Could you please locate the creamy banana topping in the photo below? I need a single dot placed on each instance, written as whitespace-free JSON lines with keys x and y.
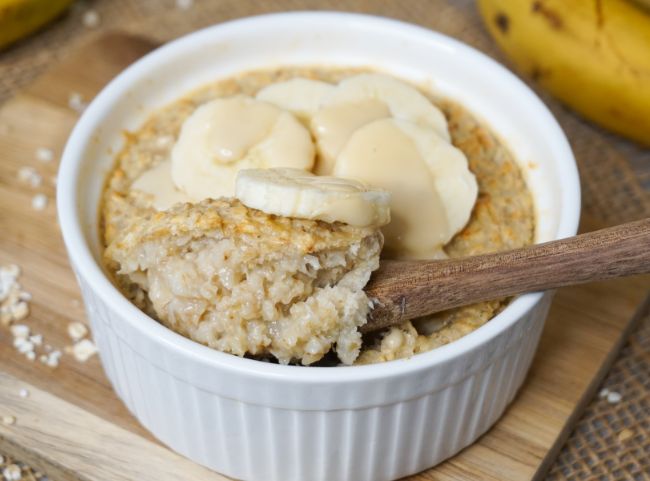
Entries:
{"x":371,"y":128}
{"x":333,"y":126}
{"x":403,"y":101}
{"x":432,"y":190}
{"x":226,"y":135}
{"x":301,"y":194}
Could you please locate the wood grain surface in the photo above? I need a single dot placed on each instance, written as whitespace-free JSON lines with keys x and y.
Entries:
{"x":404,"y":290}
{"x":73,"y":426}
{"x":98,"y":450}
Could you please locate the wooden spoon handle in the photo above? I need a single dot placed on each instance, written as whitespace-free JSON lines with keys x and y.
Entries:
{"x":408,"y":289}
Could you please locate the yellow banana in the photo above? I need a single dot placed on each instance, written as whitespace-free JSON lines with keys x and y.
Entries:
{"x":643,"y":3}
{"x":19,"y":18}
{"x":594,"y":55}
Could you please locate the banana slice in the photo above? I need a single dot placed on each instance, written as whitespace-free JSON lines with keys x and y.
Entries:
{"x":332,"y":126}
{"x":300,"y":96}
{"x":454,"y":182}
{"x":301,"y":194}
{"x":226,"y":135}
{"x":403,"y":101}
{"x":432,"y":190}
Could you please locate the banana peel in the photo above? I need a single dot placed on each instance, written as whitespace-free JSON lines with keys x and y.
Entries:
{"x":593,"y":55}
{"x":19,"y":18}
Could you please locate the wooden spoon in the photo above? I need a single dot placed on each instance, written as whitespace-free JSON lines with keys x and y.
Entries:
{"x":404,"y":290}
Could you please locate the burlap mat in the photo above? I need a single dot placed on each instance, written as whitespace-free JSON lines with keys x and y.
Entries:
{"x":612,"y":439}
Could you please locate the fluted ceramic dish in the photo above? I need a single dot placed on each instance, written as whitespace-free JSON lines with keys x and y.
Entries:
{"x":259,"y":421}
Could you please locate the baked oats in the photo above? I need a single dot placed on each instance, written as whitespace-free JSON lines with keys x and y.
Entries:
{"x":242,"y":281}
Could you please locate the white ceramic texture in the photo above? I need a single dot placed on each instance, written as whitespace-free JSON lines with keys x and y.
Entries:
{"x":261,"y":421}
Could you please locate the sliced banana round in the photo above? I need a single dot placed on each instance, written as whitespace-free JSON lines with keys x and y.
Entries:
{"x":301,"y":194}
{"x":403,"y":101}
{"x":455,"y":183}
{"x":300,"y":96}
{"x":226,"y":135}
{"x":333,"y":125}
{"x":432,"y":190}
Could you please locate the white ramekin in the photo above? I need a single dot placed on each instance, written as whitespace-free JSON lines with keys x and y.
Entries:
{"x":261,"y":421}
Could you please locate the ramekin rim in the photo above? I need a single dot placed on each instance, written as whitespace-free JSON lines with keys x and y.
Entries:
{"x":85,"y":265}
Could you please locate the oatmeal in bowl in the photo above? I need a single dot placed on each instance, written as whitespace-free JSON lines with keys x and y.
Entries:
{"x":226,"y":198}
{"x":442,"y":182}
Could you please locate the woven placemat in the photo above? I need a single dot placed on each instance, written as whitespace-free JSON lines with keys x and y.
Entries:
{"x":612,"y":439}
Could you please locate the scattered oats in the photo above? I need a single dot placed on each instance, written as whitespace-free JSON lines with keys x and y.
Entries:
{"x":44,"y":154}
{"x":23,"y":393}
{"x":614,"y":397}
{"x":75,"y":303}
{"x":52,"y":362}
{"x":24,"y":296}
{"x":30,"y":176}
{"x":76,"y":102}
{"x":83,"y":350}
{"x":603,"y":393}
{"x":77,"y":331}
{"x":8,"y":283}
{"x":25,"y":346}
{"x":8,"y":420}
{"x":20,"y":331}
{"x":39,"y":202}
{"x":625,"y":435}
{"x":90,"y":19}
{"x":11,"y":309}
{"x":36,"y":339}
{"x":43,"y":358}
{"x":184,"y":4}
{"x":24,"y":173}
{"x":52,"y":359}
{"x":31,"y":355}
{"x":20,"y":310}
{"x":12,"y":473}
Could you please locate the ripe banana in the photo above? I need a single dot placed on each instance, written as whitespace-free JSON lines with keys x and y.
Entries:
{"x":301,"y":194}
{"x":594,"y":55}
{"x":643,"y":3}
{"x":19,"y":18}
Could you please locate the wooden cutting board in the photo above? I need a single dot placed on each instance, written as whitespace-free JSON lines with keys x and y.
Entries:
{"x":73,"y":427}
